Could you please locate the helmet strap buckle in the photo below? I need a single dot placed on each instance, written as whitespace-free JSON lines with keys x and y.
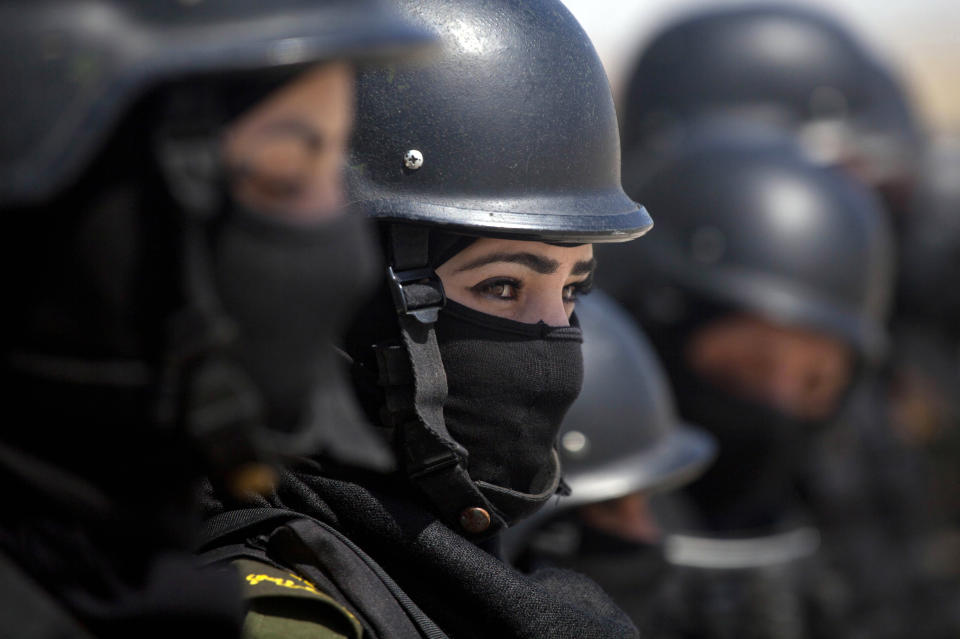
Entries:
{"x":417,"y":292}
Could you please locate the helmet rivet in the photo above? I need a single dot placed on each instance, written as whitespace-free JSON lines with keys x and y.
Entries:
{"x":575,"y":443}
{"x":474,"y":520}
{"x":413,"y":159}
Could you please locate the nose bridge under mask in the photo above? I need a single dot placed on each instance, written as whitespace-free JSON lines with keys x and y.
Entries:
{"x":509,"y":387}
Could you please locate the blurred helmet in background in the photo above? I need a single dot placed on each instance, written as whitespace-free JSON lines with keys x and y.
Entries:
{"x":785,"y":65}
{"x":749,"y":223}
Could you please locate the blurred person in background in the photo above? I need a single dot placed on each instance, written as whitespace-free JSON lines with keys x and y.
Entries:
{"x":621,"y":446}
{"x":803,"y":71}
{"x":170,"y":174}
{"x":491,"y":171}
{"x":766,"y":298}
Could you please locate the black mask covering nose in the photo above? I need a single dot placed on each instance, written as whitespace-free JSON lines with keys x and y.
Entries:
{"x":752,"y":483}
{"x":509,"y":386}
{"x":290,"y":289}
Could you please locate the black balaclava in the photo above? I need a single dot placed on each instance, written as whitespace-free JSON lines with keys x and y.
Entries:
{"x":290,"y":291}
{"x":286,"y":288}
{"x":509,"y":386}
{"x":751,"y":484}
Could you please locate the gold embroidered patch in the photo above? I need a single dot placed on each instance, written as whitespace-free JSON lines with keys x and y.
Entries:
{"x":293,"y":584}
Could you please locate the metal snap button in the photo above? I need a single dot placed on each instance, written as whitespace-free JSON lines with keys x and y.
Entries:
{"x":474,"y":520}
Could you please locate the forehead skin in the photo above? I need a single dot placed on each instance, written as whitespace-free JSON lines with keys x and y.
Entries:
{"x":546,"y":259}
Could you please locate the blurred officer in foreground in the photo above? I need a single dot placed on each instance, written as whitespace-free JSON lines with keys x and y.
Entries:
{"x":170,"y":174}
{"x":782,"y":65}
{"x":491,"y":170}
{"x":765,"y":297}
{"x":621,"y":445}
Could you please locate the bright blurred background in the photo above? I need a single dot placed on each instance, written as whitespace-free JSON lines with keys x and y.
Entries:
{"x":920,"y":40}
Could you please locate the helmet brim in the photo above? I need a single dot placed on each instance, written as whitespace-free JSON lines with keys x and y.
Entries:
{"x":680,"y":457}
{"x":581,"y":218}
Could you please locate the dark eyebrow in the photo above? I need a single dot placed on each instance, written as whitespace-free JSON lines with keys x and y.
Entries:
{"x":538,"y":263}
{"x":534,"y":262}
{"x":585,"y":268}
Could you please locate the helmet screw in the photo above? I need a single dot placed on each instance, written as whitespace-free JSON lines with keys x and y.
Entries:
{"x":413,"y":159}
{"x":474,"y":520}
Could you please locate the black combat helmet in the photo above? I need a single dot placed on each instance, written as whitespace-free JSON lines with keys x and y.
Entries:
{"x":623,"y":435}
{"x":510,"y":131}
{"x":788,"y":65}
{"x":504,"y":134}
{"x":78,"y":66}
{"x":751,"y":225}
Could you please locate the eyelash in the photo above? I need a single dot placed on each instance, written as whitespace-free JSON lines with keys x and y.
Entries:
{"x":577,"y":289}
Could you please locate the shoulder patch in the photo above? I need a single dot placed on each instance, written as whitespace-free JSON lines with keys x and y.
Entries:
{"x":269,"y":590}
{"x":257,"y":574}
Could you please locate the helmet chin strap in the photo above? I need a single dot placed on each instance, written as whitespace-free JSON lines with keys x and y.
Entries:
{"x":431,"y":458}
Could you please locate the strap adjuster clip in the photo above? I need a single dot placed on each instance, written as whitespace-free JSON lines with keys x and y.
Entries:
{"x":429,"y":286}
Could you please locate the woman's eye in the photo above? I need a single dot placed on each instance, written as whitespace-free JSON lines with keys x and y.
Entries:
{"x":500,"y":289}
{"x":503,"y":290}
